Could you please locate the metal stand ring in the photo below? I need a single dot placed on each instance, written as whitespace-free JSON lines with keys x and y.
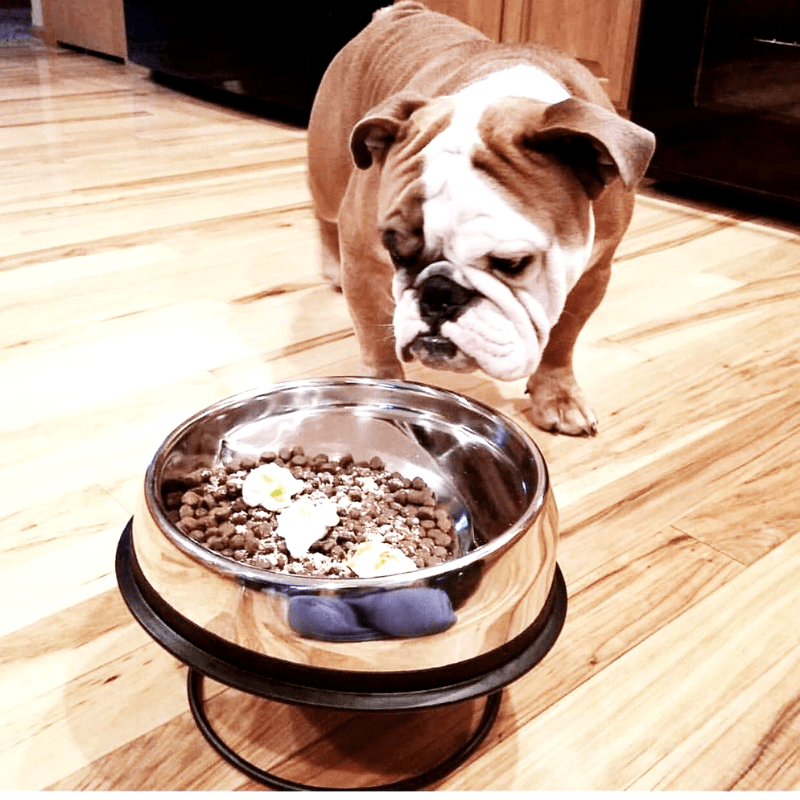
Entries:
{"x":196,"y":704}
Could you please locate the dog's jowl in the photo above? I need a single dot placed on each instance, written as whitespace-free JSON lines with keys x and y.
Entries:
{"x":470,"y":197}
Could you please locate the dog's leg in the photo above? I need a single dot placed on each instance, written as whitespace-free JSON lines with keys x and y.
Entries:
{"x":367,"y":274}
{"x":329,"y":256}
{"x":557,"y":403}
{"x":367,"y":288}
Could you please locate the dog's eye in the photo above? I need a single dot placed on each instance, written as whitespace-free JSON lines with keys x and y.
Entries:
{"x":400,"y":261}
{"x":510,"y":266}
{"x":402,"y":249}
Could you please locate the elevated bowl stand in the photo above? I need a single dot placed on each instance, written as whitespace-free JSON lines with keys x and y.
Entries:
{"x":207,"y":655}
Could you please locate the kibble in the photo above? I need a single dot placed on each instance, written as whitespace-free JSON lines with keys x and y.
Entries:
{"x":403,"y":512}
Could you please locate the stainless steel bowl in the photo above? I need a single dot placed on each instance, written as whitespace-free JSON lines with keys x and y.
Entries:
{"x":484,"y":466}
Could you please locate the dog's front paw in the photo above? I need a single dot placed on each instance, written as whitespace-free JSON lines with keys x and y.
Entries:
{"x":558,"y":405}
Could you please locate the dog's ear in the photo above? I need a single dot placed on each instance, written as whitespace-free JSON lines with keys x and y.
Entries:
{"x":373,"y":135}
{"x":597,"y":143}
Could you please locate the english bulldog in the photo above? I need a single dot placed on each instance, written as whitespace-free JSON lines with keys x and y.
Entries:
{"x":470,"y":197}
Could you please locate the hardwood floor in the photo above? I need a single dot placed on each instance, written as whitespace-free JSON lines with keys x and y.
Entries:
{"x":157,"y":253}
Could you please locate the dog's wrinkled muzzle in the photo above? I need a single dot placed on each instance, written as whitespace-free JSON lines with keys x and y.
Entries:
{"x":461,"y":318}
{"x":440,"y":299}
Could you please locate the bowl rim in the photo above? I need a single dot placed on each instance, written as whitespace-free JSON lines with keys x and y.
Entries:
{"x":258,"y":577}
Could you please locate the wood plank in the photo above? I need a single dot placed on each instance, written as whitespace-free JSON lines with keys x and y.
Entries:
{"x":83,"y":719}
{"x":757,"y":512}
{"x":721,"y":753}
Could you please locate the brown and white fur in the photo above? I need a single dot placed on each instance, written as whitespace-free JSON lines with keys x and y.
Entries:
{"x":470,"y":198}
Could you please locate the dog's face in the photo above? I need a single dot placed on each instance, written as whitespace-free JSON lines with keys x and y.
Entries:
{"x":487,"y":241}
{"x":488,"y":227}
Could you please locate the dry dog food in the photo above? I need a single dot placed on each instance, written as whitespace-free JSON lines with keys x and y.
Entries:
{"x":313,"y":515}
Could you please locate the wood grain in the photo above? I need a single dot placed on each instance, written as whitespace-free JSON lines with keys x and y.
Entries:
{"x":486,"y":17}
{"x":603,"y":32}
{"x":97,"y":25}
{"x":158,"y":253}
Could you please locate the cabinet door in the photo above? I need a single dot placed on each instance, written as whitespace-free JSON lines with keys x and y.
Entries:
{"x":604,"y":31}
{"x":97,"y":25}
{"x":485,"y":15}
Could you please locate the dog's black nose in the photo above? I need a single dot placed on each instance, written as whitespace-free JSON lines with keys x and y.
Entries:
{"x":441,"y":299}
